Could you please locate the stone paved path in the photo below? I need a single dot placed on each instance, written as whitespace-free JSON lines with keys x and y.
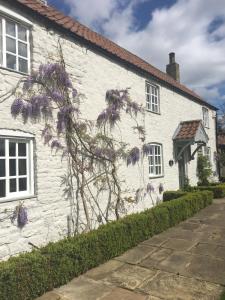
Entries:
{"x":184,"y":262}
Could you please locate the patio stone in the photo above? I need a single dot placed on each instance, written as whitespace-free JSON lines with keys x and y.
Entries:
{"x":204,"y":249}
{"x":137,"y":254}
{"x":52,"y":296}
{"x":178,"y":244}
{"x":104,"y":270}
{"x":154,"y":259}
{"x":82,"y":288}
{"x":129,"y":276}
{"x":156,"y":240}
{"x":170,"y":286}
{"x":176,"y":263}
{"x":122,"y":294}
{"x":207,"y":268}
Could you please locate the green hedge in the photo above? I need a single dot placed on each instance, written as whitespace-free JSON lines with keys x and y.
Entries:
{"x":30,"y":275}
{"x":171,"y":195}
{"x":218,"y":190}
{"x":222,"y":296}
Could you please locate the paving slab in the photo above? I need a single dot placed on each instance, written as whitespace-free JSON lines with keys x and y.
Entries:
{"x":104,"y":270}
{"x":122,"y":294}
{"x":154,"y":259}
{"x":178,"y":244}
{"x":137,"y":254}
{"x":129,"y":276}
{"x":82,"y":288}
{"x":170,"y":286}
{"x":52,"y":296}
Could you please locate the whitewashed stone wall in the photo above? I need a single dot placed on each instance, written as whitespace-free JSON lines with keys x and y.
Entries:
{"x":93,"y":74}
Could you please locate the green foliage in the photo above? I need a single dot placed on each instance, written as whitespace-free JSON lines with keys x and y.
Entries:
{"x":30,"y":275}
{"x":218,"y":190}
{"x":222,"y":296}
{"x":171,"y":195}
{"x":204,"y":170}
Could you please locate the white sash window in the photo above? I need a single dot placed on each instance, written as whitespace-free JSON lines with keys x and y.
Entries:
{"x":16,"y":167}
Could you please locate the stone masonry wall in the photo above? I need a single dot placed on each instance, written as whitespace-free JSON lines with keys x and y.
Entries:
{"x":93,"y":74}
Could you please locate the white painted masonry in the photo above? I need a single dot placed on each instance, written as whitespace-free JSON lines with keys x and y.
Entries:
{"x":93,"y":73}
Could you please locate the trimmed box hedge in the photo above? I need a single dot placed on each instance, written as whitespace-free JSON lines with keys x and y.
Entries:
{"x":171,"y":195}
{"x":218,"y":190}
{"x":32,"y":274}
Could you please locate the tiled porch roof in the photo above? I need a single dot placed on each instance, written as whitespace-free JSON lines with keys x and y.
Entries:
{"x":187,"y":130}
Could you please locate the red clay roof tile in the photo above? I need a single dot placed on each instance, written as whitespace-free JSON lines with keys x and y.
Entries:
{"x":98,"y":40}
{"x":188,"y":130}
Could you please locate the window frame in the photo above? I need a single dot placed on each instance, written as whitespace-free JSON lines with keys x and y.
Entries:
{"x":205,"y":117}
{"x":10,"y":196}
{"x":3,"y":37}
{"x":154,"y":175}
{"x":150,"y":94}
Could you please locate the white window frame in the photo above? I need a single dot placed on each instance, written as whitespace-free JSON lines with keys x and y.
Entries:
{"x":152,"y":97}
{"x":4,"y":35}
{"x":153,"y":166}
{"x":28,"y":139}
{"x":205,"y":117}
{"x":207,"y":152}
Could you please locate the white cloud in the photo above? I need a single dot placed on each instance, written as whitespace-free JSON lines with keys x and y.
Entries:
{"x":182,"y":28}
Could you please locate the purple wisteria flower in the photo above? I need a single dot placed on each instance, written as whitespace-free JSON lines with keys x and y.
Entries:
{"x":161,"y":188}
{"x":150,"y":188}
{"x":74,"y":93}
{"x":47,"y":134}
{"x":17,"y":107}
{"x":22,"y":218}
{"x":28,"y":83}
{"x":110,"y":115}
{"x":57,"y":96}
{"x":56,"y":144}
{"x":133,"y":156}
{"x":147,"y":149}
{"x":27,"y":111}
{"x":114,"y":98}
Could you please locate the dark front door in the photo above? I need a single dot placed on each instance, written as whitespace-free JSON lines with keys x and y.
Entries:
{"x":182,"y":172}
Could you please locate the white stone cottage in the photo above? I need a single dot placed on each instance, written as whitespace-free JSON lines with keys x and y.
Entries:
{"x":177,"y":121}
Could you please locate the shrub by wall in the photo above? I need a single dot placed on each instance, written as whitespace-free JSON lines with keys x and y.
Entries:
{"x":171,"y":195}
{"x":30,"y":275}
{"x":217,"y":190}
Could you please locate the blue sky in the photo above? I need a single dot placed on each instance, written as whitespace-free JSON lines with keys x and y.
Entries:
{"x":193,"y":29}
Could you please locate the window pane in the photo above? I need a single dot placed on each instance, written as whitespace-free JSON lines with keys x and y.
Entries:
{"x":23,"y":65}
{"x":22,"y":33}
{"x":12,"y":167}
{"x":2,"y":188}
{"x":11,"y":45}
{"x":22,"y":167}
{"x":22,"y":49}
{"x":12,"y":185}
{"x":2,"y":147}
{"x":11,"y":28}
{"x":22,"y":184}
{"x":12,"y":149}
{"x":22,"y":149}
{"x":2,"y":168}
{"x":11,"y":61}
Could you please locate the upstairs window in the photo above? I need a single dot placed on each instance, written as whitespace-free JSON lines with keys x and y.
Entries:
{"x":205,"y":117}
{"x":152,"y":98}
{"x":16,"y":168}
{"x":14,"y":46}
{"x":155,"y":159}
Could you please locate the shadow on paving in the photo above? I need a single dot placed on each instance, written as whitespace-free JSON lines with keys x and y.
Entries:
{"x":184,"y":262}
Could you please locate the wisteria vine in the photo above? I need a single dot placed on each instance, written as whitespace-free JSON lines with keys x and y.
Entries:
{"x":93,"y":153}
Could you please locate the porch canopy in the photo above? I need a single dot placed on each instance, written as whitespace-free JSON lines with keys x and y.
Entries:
{"x":189,"y":133}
